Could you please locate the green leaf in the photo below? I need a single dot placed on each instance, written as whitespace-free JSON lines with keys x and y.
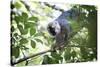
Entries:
{"x":29,"y":25}
{"x":73,"y":54}
{"x":45,"y":60}
{"x":37,"y":34}
{"x":24,"y":15}
{"x":22,"y":31}
{"x":15,"y":34}
{"x":12,"y":29}
{"x":15,"y":51}
{"x":20,"y":28}
{"x":17,"y":5}
{"x":13,"y":40}
{"x":56,"y":55}
{"x":33,"y":44}
{"x":33,"y":18}
{"x":39,"y":40}
{"x":21,"y":18}
{"x":84,"y":52}
{"x":67,"y":54}
{"x":25,"y":31}
{"x":32,"y":31}
{"x":25,"y":48}
{"x":12,"y":6}
{"x":18,"y":19}
{"x":49,"y":60}
{"x":23,"y":41}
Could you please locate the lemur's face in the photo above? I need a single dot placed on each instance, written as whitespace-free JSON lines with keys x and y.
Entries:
{"x":54,"y":28}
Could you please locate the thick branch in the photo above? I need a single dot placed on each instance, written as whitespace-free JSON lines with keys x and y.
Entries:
{"x":25,"y":58}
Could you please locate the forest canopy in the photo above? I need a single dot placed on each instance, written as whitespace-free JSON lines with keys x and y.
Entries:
{"x":29,"y":35}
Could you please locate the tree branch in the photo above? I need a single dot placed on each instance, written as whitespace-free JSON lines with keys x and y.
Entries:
{"x":25,"y":58}
{"x":28,"y":7}
{"x":53,"y":7}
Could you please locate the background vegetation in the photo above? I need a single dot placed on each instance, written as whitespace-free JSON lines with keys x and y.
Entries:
{"x":29,"y":35}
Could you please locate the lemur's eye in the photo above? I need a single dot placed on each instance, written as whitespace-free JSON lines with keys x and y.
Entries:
{"x":52,"y":30}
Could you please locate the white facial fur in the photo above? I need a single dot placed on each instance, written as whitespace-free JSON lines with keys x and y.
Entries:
{"x":57,"y":27}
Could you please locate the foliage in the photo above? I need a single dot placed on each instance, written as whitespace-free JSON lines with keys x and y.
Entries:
{"x":28,"y":39}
